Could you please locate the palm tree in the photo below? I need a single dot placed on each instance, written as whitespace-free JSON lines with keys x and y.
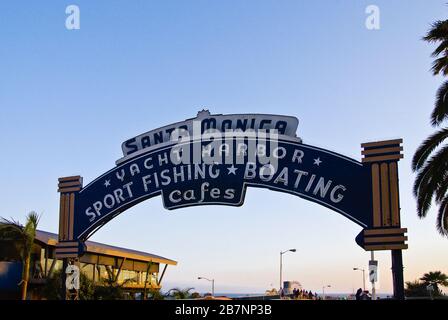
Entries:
{"x":429,"y":160}
{"x":154,"y":294}
{"x":110,"y":288}
{"x":179,"y":294}
{"x":13,"y":231}
{"x":435,"y":279}
{"x":416,"y":289}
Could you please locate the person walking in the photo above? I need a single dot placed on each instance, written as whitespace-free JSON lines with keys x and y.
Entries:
{"x":359,"y":294}
{"x":282,"y":293}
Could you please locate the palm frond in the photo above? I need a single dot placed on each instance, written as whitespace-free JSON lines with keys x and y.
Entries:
{"x":440,"y":66}
{"x":427,"y":147}
{"x":33,"y":219}
{"x":423,"y":194}
{"x":442,"y":188}
{"x":4,"y":221}
{"x":442,"y":217}
{"x":440,"y":112}
{"x":442,"y":48}
{"x":10,"y":229}
{"x":429,"y":178}
{"x":433,"y":171}
{"x":438,"y":31}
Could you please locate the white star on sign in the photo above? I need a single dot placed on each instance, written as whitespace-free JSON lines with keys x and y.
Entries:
{"x":232,"y":169}
{"x":107,"y":183}
{"x":317,"y":161}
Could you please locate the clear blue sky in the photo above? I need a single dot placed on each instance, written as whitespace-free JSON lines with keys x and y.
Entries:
{"x":69,"y":98}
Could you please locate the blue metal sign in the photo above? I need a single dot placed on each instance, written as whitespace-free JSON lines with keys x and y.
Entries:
{"x":327,"y":178}
{"x":213,"y":159}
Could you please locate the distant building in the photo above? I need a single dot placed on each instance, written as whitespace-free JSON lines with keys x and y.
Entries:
{"x":138,"y":270}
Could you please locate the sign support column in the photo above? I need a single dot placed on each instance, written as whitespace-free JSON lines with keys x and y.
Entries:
{"x":397,"y":274}
{"x":68,"y":248}
{"x":386,"y":234}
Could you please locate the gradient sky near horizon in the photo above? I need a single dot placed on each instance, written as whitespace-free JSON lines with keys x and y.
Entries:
{"x":69,"y":98}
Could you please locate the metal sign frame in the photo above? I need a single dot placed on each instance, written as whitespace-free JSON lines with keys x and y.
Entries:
{"x":365,"y":192}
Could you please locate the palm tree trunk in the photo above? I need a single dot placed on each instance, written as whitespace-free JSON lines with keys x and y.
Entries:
{"x":25,"y":276}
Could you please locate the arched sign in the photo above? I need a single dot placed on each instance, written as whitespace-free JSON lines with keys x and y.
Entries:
{"x":213,"y":159}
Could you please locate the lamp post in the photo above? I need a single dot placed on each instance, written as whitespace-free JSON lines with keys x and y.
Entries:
{"x":281,"y":264}
{"x":323,"y":290}
{"x":363,"y":277}
{"x":213,"y":284}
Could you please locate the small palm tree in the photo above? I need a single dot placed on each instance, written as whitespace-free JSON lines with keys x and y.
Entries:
{"x":429,"y":160}
{"x":155,"y":294}
{"x":13,"y":231}
{"x":110,"y":288}
{"x":416,"y":289}
{"x":436,"y":279}
{"x":179,"y":294}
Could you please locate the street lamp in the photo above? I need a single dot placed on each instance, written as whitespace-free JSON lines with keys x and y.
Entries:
{"x":213,"y":284}
{"x":323,"y":290}
{"x":363,"y":277}
{"x":281,"y":264}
